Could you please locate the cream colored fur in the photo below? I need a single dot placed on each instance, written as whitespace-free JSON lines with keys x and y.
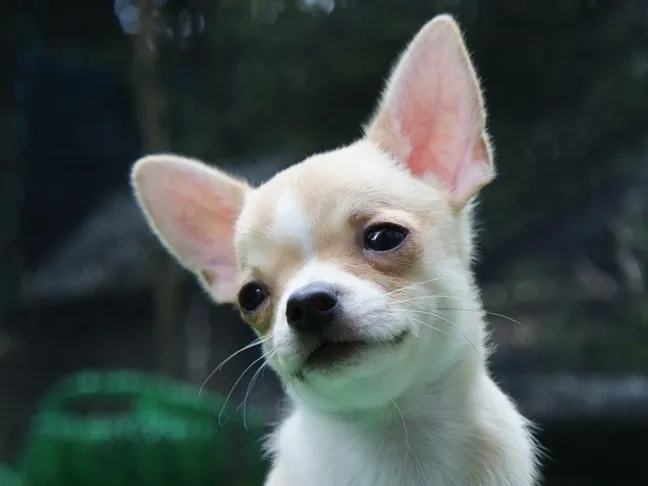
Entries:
{"x":421,"y":411}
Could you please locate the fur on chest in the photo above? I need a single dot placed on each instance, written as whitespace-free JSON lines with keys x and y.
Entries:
{"x":330,"y":453}
{"x":489,"y":447}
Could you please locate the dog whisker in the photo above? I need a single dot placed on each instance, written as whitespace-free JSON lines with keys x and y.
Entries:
{"x":415,"y":284}
{"x":428,"y":296}
{"x":438,"y":316}
{"x":254,"y":343}
{"x":251,"y":385}
{"x":407,"y":440}
{"x":387,"y":294}
{"x":423,"y":323}
{"x":229,"y":395}
{"x":494,"y":314}
{"x":478,"y":309}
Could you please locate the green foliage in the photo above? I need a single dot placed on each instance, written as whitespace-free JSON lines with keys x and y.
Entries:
{"x":123,"y":427}
{"x":9,"y":477}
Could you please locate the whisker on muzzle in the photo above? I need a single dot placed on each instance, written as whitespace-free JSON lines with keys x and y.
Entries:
{"x":423,"y":323}
{"x":415,"y":284}
{"x":251,"y":385}
{"x":229,"y":395}
{"x":478,"y":309}
{"x":254,"y":343}
{"x":392,"y":292}
{"x":494,"y":314}
{"x":406,"y":435}
{"x":432,"y":296}
{"x":438,"y":316}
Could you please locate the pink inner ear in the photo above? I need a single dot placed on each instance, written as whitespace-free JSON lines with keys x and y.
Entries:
{"x":433,"y":142}
{"x":194,"y":209}
{"x":438,"y":116}
{"x":434,"y":111}
{"x":196,"y":218}
{"x":205,"y":221}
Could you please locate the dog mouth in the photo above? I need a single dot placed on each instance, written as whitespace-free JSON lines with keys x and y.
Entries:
{"x":331,"y":352}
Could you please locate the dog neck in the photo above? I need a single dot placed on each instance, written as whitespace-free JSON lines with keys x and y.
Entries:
{"x":426,"y":402}
{"x":421,"y":437}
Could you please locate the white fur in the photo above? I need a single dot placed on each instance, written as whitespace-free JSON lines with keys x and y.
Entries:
{"x":290,"y":224}
{"x":439,"y":438}
{"x":447,"y":423}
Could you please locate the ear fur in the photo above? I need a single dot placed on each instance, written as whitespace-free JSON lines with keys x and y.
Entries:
{"x":432,"y":117}
{"x":193,"y":208}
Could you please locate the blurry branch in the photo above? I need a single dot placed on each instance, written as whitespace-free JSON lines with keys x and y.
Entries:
{"x":8,"y":168}
{"x":152,"y":106}
{"x":151,"y":98}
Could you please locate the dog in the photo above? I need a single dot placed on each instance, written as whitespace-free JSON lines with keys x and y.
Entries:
{"x":354,"y":268}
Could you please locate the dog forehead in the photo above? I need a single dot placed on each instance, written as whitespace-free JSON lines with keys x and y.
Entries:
{"x":292,"y":222}
{"x":290,"y":214}
{"x":297,"y":209}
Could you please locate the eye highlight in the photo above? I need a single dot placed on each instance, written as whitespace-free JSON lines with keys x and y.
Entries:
{"x":384,"y":237}
{"x":251,"y":296}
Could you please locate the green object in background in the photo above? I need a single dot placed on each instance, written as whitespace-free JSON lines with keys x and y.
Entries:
{"x":123,"y":428}
{"x":9,"y":477}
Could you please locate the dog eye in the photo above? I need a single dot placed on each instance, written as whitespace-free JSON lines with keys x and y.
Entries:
{"x":251,"y":296}
{"x":384,"y":237}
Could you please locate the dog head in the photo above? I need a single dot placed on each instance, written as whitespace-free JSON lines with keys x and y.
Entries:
{"x":353,"y":266}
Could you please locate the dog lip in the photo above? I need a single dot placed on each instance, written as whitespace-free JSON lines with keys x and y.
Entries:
{"x":329,"y":352}
{"x":400,"y":338}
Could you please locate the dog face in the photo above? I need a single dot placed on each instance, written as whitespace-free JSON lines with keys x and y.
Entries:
{"x":349,"y":264}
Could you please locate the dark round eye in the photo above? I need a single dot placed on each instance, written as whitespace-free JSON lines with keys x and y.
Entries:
{"x":384,"y":237}
{"x":251,"y":296}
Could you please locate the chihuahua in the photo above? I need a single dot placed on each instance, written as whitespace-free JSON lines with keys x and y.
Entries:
{"x":354,"y":269}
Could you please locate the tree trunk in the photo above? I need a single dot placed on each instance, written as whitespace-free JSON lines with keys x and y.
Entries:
{"x":151,"y":101}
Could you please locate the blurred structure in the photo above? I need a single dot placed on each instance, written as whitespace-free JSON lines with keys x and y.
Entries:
{"x":256,"y":85}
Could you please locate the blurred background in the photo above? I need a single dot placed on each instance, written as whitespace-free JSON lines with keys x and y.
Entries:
{"x":104,"y":341}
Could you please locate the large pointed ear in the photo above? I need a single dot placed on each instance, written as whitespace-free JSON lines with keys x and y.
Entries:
{"x":432,"y":116}
{"x":193,"y":209}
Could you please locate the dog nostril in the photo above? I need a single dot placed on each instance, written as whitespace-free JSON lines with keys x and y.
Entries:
{"x":324,"y":302}
{"x":312,"y":307}
{"x":294,"y":312}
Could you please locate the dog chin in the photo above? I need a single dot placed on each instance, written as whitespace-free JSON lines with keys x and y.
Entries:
{"x":371,"y":378}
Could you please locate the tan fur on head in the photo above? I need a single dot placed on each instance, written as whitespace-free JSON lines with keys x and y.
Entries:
{"x":400,"y":393}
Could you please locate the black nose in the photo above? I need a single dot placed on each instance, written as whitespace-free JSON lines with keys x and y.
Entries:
{"x":312,"y":307}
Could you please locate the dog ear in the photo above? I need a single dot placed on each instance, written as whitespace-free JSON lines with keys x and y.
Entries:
{"x":193,"y":210}
{"x":432,"y":116}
